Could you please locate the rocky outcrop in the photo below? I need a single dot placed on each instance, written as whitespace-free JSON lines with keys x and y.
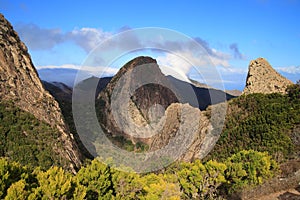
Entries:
{"x":19,"y":82}
{"x":149,"y":112}
{"x":183,"y":119}
{"x":131,"y":99}
{"x":262,"y":78}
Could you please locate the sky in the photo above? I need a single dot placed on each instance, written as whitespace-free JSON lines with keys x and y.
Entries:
{"x":62,"y":35}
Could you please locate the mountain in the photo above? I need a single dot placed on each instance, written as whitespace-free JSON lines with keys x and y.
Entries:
{"x":262,"y":78}
{"x":100,"y":83}
{"x":20,"y":84}
{"x":58,"y":90}
{"x":148,"y":103}
{"x":234,"y":93}
{"x":65,"y":75}
{"x":144,"y":96}
{"x":198,"y":84}
{"x":199,"y":97}
{"x":140,"y":106}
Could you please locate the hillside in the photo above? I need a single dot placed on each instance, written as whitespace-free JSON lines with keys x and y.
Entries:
{"x":20,"y":84}
{"x":27,"y":140}
{"x":261,"y":122}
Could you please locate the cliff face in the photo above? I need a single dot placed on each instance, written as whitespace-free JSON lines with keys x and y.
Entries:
{"x":145,"y":101}
{"x":183,"y":120}
{"x":19,"y":82}
{"x":151,"y":113}
{"x":262,"y":78}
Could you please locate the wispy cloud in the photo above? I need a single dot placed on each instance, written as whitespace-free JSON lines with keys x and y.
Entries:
{"x":234,"y":70}
{"x":236,"y":52}
{"x":45,"y":39}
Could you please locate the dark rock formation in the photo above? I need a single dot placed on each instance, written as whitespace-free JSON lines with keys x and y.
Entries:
{"x":142,"y":100}
{"x":143,"y":105}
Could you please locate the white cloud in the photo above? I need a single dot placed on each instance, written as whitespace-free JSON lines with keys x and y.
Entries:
{"x":182,"y":55}
{"x":87,"y":38}
{"x":183,"y":62}
{"x":289,"y":69}
{"x":39,"y":38}
{"x":232,"y":70}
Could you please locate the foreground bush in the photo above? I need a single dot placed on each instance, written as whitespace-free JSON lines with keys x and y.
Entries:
{"x":96,"y":180}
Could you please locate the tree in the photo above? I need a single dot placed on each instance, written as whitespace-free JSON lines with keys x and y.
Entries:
{"x":96,"y":178}
{"x":199,"y":180}
{"x":127,"y":185}
{"x":249,"y":168}
{"x":160,"y":187}
{"x":55,"y":183}
{"x":10,"y":172}
{"x":17,"y":191}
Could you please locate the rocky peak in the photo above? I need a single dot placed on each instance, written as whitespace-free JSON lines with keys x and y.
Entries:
{"x":20,"y":83}
{"x":149,"y":93}
{"x":262,"y":78}
{"x":151,"y":113}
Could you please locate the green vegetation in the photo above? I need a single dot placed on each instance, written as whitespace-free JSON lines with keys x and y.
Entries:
{"x":27,"y":140}
{"x":126,"y":144}
{"x":247,"y":168}
{"x":98,"y":181}
{"x":259,"y":131}
{"x":262,"y":123}
{"x":294,"y":91}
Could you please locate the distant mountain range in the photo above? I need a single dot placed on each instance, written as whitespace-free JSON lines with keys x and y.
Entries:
{"x":202,"y":91}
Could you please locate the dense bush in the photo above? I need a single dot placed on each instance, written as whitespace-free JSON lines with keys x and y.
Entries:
{"x":293,"y":91}
{"x":27,"y":140}
{"x":247,"y":168}
{"x":259,"y":122}
{"x":99,"y":181}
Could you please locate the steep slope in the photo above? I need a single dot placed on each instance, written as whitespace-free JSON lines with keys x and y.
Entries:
{"x":19,"y":83}
{"x":262,"y":78}
{"x":59,"y":91}
{"x":143,"y":98}
{"x":63,"y":95}
{"x":262,"y":122}
{"x":152,"y":114}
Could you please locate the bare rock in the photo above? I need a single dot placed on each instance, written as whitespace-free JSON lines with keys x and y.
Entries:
{"x":151,"y":113}
{"x":262,"y":78}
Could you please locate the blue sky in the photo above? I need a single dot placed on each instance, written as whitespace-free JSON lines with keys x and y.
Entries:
{"x":61,"y":34}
